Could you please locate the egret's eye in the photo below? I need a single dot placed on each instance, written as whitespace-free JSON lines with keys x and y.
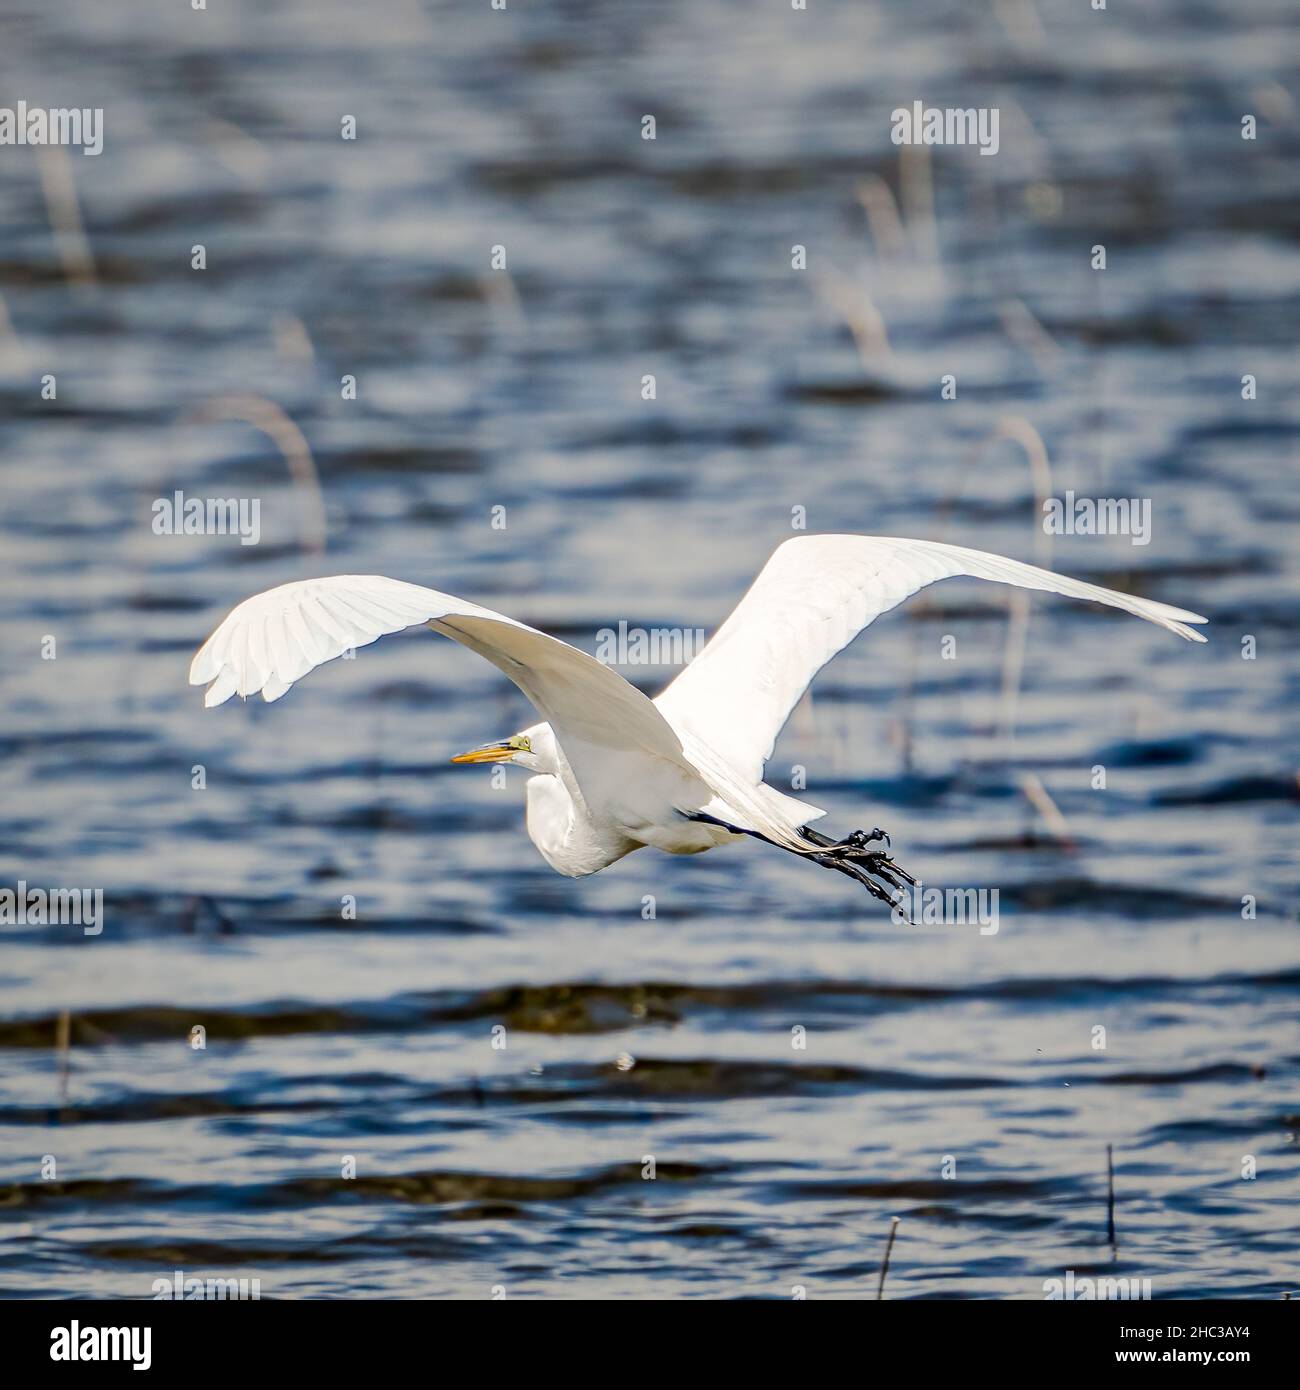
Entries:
{"x":524,"y":745}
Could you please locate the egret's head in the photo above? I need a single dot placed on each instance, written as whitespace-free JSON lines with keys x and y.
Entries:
{"x":517,"y":749}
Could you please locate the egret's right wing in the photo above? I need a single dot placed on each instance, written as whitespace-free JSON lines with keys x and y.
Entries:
{"x":810,"y":600}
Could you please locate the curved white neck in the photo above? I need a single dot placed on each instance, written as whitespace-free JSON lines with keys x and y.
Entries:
{"x":564,"y":833}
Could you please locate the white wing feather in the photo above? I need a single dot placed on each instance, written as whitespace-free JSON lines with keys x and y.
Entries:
{"x":810,"y":600}
{"x":273,"y":639}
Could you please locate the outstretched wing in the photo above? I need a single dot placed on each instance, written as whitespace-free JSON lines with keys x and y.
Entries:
{"x":273,"y":639}
{"x":810,"y":600}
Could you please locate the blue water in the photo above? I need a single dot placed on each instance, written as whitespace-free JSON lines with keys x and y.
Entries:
{"x":949,"y":1078}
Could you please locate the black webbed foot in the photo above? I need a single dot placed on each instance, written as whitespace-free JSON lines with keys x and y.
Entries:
{"x":857,"y":872}
{"x":872,"y":868}
{"x":859,"y":839}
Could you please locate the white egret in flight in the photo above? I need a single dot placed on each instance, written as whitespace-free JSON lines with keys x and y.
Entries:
{"x":613,"y":770}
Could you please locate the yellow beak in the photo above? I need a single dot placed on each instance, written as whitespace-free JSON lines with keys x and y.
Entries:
{"x":489,"y":753}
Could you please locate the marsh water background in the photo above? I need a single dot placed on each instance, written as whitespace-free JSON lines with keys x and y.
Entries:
{"x":776,"y":1167}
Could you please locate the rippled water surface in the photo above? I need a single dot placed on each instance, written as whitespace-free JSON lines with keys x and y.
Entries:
{"x":950,"y":1078}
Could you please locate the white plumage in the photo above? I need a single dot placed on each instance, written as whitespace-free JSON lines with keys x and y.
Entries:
{"x":615,"y":770}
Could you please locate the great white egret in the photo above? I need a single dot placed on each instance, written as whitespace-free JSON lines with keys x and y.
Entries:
{"x":614,"y":770}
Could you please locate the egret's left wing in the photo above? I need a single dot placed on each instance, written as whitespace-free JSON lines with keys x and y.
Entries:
{"x":810,"y":600}
{"x":273,"y":639}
